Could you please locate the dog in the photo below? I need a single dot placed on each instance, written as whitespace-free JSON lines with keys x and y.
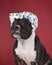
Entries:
{"x":28,"y":46}
{"x":28,"y":49}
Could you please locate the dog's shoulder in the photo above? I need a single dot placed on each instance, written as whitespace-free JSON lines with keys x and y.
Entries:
{"x":42,"y":55}
{"x":38,"y":44}
{"x":15,"y":46}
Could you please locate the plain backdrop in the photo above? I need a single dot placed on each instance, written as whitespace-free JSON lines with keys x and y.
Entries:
{"x":42,"y":8}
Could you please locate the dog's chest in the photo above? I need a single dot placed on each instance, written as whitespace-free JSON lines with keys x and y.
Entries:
{"x":25,"y":51}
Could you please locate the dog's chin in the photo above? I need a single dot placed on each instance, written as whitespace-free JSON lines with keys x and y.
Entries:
{"x":16,"y":36}
{"x":25,"y":37}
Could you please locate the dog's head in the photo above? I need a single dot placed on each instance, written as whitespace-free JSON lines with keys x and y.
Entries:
{"x":21,"y":28}
{"x":22,"y":24}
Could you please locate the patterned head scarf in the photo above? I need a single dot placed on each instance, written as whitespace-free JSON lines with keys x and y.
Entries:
{"x":30,"y":16}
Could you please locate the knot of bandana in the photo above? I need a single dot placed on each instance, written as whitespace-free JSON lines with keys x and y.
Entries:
{"x":30,"y":16}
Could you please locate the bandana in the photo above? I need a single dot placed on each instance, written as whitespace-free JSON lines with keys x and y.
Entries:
{"x":30,"y":16}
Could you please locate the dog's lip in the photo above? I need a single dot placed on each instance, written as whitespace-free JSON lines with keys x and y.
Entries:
{"x":15,"y":33}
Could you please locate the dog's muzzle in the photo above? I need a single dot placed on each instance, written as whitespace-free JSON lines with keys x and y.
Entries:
{"x":15,"y":30}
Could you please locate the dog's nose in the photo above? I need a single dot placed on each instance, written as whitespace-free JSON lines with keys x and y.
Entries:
{"x":14,"y":29}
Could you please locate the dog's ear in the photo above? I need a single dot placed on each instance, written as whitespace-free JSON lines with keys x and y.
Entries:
{"x":15,"y":19}
{"x":26,"y":23}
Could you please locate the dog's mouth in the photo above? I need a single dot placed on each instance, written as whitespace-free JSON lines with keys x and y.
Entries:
{"x":16,"y":34}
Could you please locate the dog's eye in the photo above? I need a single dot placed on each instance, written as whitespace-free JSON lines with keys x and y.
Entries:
{"x":22,"y":27}
{"x":16,"y":27}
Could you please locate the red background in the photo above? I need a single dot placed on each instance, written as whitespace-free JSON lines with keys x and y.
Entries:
{"x":42,"y":8}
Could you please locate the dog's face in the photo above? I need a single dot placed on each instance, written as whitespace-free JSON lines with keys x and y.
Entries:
{"x":21,"y":28}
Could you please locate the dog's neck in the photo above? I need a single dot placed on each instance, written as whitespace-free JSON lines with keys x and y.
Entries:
{"x":28,"y":43}
{"x":25,"y":49}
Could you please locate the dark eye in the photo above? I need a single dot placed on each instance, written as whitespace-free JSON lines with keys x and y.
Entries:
{"x":22,"y":27}
{"x":16,"y":27}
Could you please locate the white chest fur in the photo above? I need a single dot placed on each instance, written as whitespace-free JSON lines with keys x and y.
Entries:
{"x":25,"y":49}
